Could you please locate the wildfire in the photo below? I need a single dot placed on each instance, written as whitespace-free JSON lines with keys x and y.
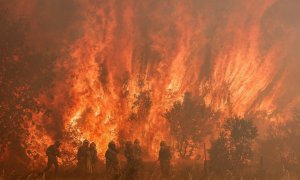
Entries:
{"x":133,"y":59}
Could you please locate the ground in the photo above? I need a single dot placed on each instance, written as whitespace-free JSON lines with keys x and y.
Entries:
{"x":181,"y":170}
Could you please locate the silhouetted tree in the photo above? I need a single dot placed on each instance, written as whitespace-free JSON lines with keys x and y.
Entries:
{"x":232,"y":151}
{"x":220,"y":155}
{"x":281,"y":148}
{"x":142,"y":104}
{"x":190,"y":121}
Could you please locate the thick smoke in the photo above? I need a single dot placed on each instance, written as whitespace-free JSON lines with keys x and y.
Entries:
{"x":103,"y":70}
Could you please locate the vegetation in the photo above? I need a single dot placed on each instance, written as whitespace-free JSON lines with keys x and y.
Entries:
{"x":281,"y":148}
{"x":190,"y":121}
{"x":142,"y":104}
{"x":232,"y":151}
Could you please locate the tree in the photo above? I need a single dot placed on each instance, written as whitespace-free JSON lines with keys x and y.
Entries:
{"x":190,"y":121}
{"x":142,"y":104}
{"x":232,"y":151}
{"x":219,"y":155}
{"x":281,"y":148}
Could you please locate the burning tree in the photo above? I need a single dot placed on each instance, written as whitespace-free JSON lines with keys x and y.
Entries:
{"x":142,"y":104}
{"x":190,"y":121}
{"x":232,"y":151}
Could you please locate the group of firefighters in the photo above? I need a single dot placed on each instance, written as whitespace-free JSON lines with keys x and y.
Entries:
{"x":87,"y":159}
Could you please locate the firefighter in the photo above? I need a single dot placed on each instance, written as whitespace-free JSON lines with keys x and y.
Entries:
{"x":112,"y":161}
{"x":137,"y":152}
{"x":83,"y":157}
{"x":129,"y":154}
{"x":164,"y":158}
{"x":53,"y":152}
{"x":93,"y":157}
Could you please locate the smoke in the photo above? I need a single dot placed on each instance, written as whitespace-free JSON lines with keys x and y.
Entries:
{"x":279,"y":26}
{"x":91,"y":66}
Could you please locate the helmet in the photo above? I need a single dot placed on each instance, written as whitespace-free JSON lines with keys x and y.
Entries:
{"x":112,"y":145}
{"x":93,"y":145}
{"x":136,"y":141}
{"x":163,"y":143}
{"x":85,"y":142}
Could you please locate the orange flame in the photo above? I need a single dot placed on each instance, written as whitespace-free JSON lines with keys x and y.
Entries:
{"x":133,"y":60}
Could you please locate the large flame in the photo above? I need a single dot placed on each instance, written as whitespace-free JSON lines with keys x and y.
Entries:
{"x":132,"y":60}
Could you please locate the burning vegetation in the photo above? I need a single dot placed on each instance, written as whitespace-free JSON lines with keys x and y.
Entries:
{"x":220,"y":73}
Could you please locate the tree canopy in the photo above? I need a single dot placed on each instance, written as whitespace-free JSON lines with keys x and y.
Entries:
{"x":232,"y":150}
{"x":190,"y":121}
